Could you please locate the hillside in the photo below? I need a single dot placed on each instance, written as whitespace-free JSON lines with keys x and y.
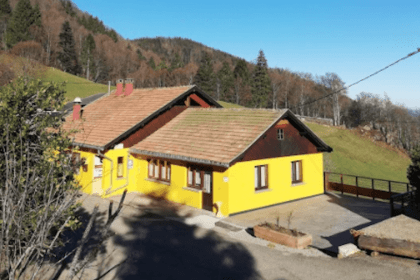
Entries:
{"x":357,"y":155}
{"x":75,"y":86}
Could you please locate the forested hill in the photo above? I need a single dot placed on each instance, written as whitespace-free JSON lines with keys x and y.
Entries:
{"x":187,"y":49}
{"x":56,"y":33}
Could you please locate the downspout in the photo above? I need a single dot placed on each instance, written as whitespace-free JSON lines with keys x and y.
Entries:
{"x":108,"y":191}
{"x":112,"y":168}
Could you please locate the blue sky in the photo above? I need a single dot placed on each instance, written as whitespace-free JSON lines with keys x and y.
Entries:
{"x":350,"y":38}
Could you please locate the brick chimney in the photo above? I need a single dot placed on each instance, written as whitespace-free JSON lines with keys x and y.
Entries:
{"x":77,"y":106}
{"x":119,"y":87}
{"x":128,"y":86}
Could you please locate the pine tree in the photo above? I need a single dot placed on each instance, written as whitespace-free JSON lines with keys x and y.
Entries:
{"x":225,"y":76}
{"x":152,"y":63}
{"x":5,"y":8}
{"x":261,"y":83}
{"x":87,"y":54}
{"x":67,"y":57}
{"x":205,"y":75}
{"x":413,"y":171}
{"x":241,"y":80}
{"x":176,"y":63}
{"x":36,"y":16}
{"x":18,"y":27}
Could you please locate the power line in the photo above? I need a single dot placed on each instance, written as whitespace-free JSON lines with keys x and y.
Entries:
{"x":365,"y":78}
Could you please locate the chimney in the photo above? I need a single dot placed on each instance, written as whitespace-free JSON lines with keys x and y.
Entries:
{"x":119,"y":87}
{"x":77,"y":106}
{"x":128,"y":86}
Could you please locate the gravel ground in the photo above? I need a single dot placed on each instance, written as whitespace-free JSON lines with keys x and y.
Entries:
{"x":400,"y":227}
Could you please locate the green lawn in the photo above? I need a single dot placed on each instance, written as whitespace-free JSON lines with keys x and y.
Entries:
{"x":356,"y":155}
{"x":229,"y":105}
{"x":75,"y":86}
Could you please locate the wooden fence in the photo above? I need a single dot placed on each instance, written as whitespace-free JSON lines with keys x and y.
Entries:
{"x":364,"y":186}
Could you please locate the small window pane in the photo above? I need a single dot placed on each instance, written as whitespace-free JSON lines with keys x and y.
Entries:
{"x":156,"y":168}
{"x":168,"y":169}
{"x":190,"y":177}
{"x":197,"y":178}
{"x":207,"y":182}
{"x":120,"y":167}
{"x":257,"y":173}
{"x":150,"y":168}
{"x":263,"y":176}
{"x":163,"y":172}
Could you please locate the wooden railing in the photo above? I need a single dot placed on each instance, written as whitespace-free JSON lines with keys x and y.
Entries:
{"x":404,"y":200}
{"x":364,"y":186}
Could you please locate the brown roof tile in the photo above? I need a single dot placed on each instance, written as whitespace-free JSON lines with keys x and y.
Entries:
{"x":110,"y":116}
{"x":215,"y":135}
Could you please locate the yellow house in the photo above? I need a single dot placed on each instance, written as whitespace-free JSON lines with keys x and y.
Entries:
{"x":179,"y":144}
{"x":231,"y":160}
{"x":103,"y":130}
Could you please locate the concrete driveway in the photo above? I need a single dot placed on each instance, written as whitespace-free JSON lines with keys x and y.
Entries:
{"x":153,"y":239}
{"x":327,"y":217}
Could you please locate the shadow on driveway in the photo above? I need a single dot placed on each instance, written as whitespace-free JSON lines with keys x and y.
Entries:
{"x":157,"y":248}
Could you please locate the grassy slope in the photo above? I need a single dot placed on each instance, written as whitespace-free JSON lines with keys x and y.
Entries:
{"x":360,"y":156}
{"x":75,"y":86}
{"x":229,"y":105}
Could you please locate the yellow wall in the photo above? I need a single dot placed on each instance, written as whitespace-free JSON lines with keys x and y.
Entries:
{"x":175,"y":191}
{"x":234,"y":188}
{"x":242,"y":195}
{"x":118,"y":185}
{"x":85,"y":178}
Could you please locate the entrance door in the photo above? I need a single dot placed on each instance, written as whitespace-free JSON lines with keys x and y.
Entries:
{"x":97,"y":177}
{"x":208,"y":191}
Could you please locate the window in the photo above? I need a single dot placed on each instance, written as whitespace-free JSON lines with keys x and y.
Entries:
{"x":296,"y":171}
{"x":120,"y":167}
{"x":160,"y":170}
{"x":280,"y":134}
{"x":84,"y":165}
{"x":261,"y":177}
{"x":199,"y":179}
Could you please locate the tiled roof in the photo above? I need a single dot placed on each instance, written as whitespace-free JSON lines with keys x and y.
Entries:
{"x":216,"y":136}
{"x":111,"y":116}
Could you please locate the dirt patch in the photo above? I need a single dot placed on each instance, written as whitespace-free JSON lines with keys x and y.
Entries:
{"x":281,"y":229}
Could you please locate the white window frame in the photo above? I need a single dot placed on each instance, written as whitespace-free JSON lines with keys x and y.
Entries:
{"x":280,"y":134}
{"x":297,"y":171}
{"x":261,"y":177}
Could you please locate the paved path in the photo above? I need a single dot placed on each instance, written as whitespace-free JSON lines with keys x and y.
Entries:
{"x":156,"y":242}
{"x":328,"y":217}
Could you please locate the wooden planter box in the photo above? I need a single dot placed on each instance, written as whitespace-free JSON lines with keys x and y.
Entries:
{"x":298,"y":242}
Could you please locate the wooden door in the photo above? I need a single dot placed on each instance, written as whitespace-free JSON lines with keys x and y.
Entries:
{"x":208,"y":191}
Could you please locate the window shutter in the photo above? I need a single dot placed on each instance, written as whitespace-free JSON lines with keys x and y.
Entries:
{"x":168,"y":169}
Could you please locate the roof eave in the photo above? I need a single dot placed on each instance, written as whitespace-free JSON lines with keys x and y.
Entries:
{"x":82,"y":145}
{"x":179,"y":157}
